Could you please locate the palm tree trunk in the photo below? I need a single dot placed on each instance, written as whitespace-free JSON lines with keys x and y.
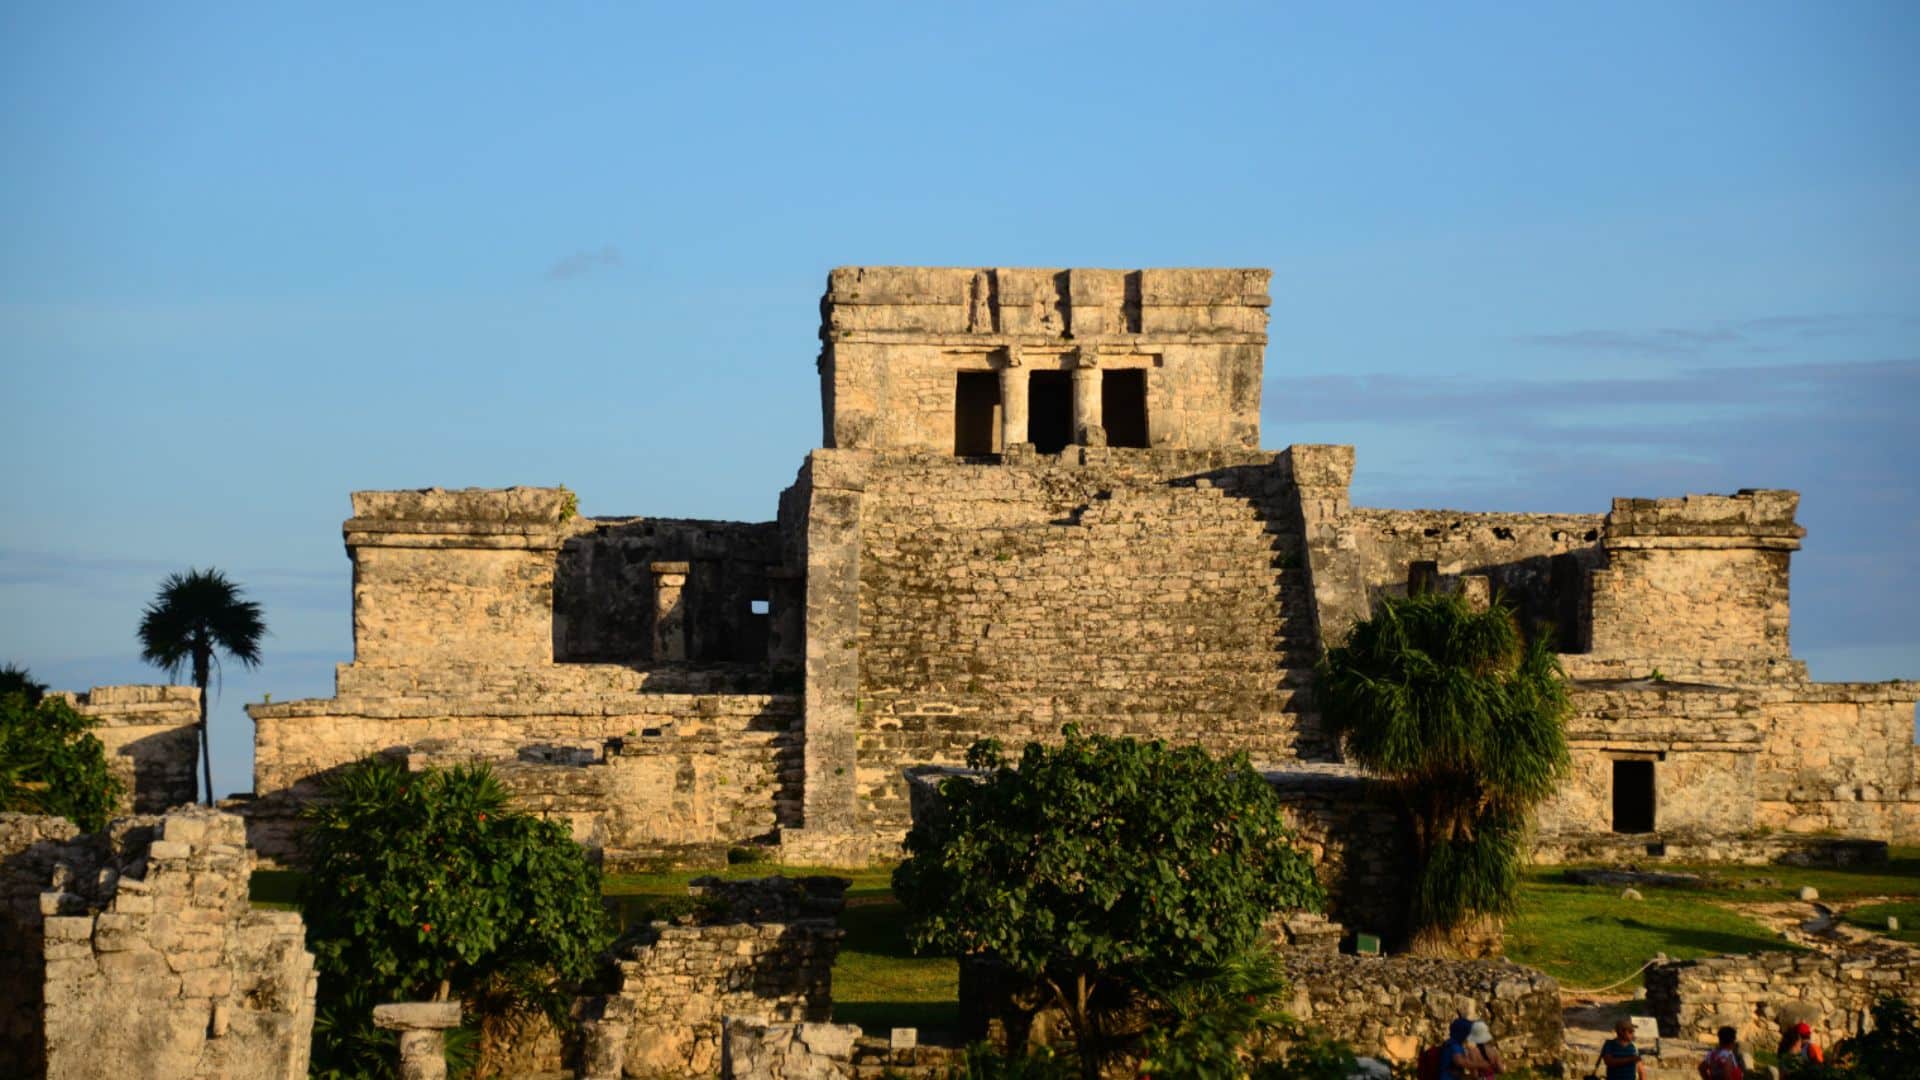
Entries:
{"x":202,"y":661}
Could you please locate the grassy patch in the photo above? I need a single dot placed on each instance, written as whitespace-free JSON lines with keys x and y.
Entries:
{"x":1874,"y":917}
{"x":1900,"y":876}
{"x":1587,"y":936}
{"x":877,"y":982}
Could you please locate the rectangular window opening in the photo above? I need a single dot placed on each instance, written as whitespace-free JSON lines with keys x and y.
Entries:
{"x":1050,"y":411}
{"x":1123,"y":407}
{"x":758,"y":607}
{"x":976,"y":414}
{"x":1633,"y":796}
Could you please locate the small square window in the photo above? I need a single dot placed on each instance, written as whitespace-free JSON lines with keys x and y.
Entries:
{"x":758,"y":607}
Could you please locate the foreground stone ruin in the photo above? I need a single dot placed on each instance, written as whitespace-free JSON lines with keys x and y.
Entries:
{"x":135,"y":952}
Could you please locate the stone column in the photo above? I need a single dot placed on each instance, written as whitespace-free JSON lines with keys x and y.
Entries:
{"x":604,"y":1055}
{"x":1087,"y":430}
{"x":1013,"y":400}
{"x":423,"y":1053}
{"x":669,"y":612}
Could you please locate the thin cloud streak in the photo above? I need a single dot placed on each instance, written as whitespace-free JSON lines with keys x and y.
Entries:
{"x":581,"y":263}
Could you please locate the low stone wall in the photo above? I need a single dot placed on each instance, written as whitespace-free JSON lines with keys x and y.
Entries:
{"x":1755,"y":992}
{"x":1389,"y":1007}
{"x":1620,"y":849}
{"x":151,"y":961}
{"x":1349,"y":825}
{"x":757,"y":1050}
{"x":760,"y":948}
{"x":635,"y":775}
{"x":152,"y":741}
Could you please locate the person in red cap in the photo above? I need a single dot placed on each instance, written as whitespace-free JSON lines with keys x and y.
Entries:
{"x":1797,"y":1046}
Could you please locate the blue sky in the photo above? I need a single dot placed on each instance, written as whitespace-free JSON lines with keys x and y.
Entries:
{"x":253,"y":257}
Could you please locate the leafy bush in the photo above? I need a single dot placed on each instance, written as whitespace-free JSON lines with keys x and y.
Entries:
{"x":426,"y":886}
{"x":1228,"y":1025}
{"x":1104,"y":870}
{"x":51,"y":764}
{"x":983,"y":1062}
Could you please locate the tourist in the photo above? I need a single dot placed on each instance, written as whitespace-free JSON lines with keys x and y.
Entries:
{"x":1457,"y":1059}
{"x":1797,"y":1047}
{"x":1723,"y":1061}
{"x":1487,"y":1056}
{"x":1620,"y":1056}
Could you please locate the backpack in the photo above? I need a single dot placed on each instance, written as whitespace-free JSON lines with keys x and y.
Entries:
{"x":1721,"y":1065}
{"x":1429,"y":1067}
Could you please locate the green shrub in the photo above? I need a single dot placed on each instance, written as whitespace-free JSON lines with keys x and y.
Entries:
{"x":426,"y":886}
{"x":1102,"y":870}
{"x":51,"y":764}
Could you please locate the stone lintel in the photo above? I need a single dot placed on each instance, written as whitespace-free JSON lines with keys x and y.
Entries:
{"x":681,"y":568}
{"x":417,"y":1016}
{"x":359,"y":533}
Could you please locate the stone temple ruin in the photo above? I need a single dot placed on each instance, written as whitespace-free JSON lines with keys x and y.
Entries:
{"x":1041,"y":499}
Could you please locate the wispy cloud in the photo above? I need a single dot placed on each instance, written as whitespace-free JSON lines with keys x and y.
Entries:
{"x":581,"y":263}
{"x":1759,"y":334}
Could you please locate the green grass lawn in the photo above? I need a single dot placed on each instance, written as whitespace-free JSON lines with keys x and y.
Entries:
{"x":1586,"y":936}
{"x":1874,"y":917}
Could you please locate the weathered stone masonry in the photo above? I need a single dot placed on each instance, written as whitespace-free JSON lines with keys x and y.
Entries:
{"x":1040,"y":499}
{"x":135,"y":952}
{"x":151,"y":739}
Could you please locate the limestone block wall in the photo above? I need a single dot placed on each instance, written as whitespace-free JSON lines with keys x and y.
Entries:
{"x":1536,"y":562}
{"x":1693,"y":998}
{"x":1392,"y":1006}
{"x":1701,"y":577}
{"x":604,"y":589}
{"x":1350,"y":826}
{"x":760,"y":948}
{"x":153,"y":963}
{"x":151,"y":740}
{"x":1140,"y":593}
{"x":895,"y":339}
{"x":1729,"y":761}
{"x":31,"y":847}
{"x":1839,"y":758}
{"x":463,"y":576}
{"x":635,"y":775}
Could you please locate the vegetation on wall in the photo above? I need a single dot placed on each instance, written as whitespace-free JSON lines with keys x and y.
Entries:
{"x":50,"y":763}
{"x":426,"y":886}
{"x":1108,"y":872}
{"x":1467,"y":718}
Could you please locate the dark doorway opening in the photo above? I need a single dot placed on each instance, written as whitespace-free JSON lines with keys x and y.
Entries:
{"x":1633,"y":796}
{"x":976,"y":413}
{"x":1123,"y":407}
{"x":1050,"y":411}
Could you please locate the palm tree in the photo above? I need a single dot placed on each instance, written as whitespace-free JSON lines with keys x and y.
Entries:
{"x":194,"y":616}
{"x":1465,"y":717}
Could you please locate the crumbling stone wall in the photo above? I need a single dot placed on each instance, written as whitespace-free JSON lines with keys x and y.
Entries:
{"x":635,"y":775}
{"x":1693,"y":998}
{"x":151,"y":740}
{"x":151,"y":960}
{"x":757,"y":1050}
{"x":757,"y":948}
{"x":31,"y":847}
{"x":1351,"y":826}
{"x":1392,"y":1006}
{"x":1537,"y":563}
{"x":604,"y":603}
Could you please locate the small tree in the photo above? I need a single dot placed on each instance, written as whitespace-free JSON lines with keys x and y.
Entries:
{"x":427,"y":886}
{"x":1466,"y":717}
{"x":51,"y":764}
{"x":1102,"y":869}
{"x":196,"y":616}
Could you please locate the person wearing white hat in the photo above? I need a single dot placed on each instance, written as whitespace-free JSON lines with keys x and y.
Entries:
{"x":1486,"y":1055}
